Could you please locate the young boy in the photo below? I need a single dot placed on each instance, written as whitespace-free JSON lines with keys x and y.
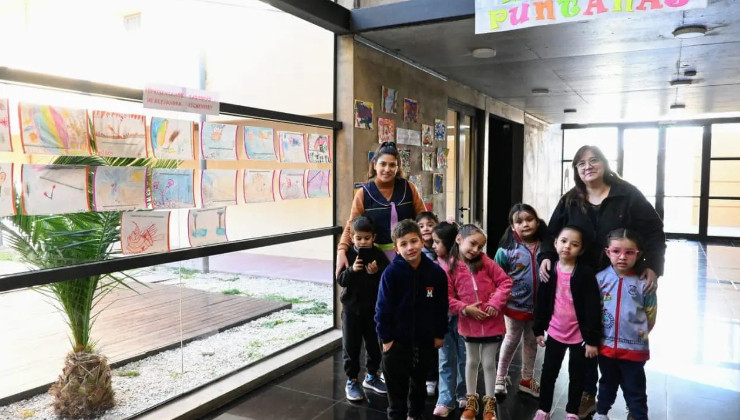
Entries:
{"x":360,"y":290}
{"x":427,"y":221}
{"x":411,"y":317}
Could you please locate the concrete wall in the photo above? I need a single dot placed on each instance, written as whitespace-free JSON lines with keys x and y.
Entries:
{"x":542,"y":170}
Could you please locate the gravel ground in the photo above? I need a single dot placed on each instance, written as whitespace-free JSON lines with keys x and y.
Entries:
{"x":144,"y":383}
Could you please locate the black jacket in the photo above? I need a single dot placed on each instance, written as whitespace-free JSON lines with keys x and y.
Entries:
{"x":586,"y":300}
{"x":624,"y":207}
{"x":360,"y":289}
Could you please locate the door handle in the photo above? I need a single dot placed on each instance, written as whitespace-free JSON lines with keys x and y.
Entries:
{"x":464,"y":208}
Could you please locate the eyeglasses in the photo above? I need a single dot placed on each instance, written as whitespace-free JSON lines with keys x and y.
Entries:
{"x":592,"y":161}
{"x":615,"y":252}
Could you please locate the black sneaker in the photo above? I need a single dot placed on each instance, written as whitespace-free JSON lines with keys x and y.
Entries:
{"x":375,"y":383}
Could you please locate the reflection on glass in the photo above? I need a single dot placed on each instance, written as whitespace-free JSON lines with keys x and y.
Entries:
{"x":451,"y":177}
{"x":681,"y":215}
{"x":724,"y":178}
{"x":724,"y":140}
{"x":464,"y":172}
{"x":605,"y":138}
{"x":683,"y":161}
{"x":724,"y":218}
{"x":640,"y":159}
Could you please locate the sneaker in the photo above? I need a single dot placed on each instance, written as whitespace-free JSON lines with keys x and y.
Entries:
{"x":501,"y":383}
{"x":352,"y":390}
{"x":598,"y":416}
{"x":431,"y":387}
{"x":462,"y":403}
{"x":441,"y":411}
{"x":373,"y":382}
{"x":471,"y":408}
{"x":489,"y":408}
{"x":588,"y":405}
{"x":569,"y":416}
{"x":530,"y":386}
{"x":541,"y":415}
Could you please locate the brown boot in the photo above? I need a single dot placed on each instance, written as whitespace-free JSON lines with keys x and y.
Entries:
{"x":489,"y":407}
{"x":471,"y":409}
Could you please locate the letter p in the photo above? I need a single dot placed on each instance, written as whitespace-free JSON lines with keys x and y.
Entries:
{"x":497,"y":16}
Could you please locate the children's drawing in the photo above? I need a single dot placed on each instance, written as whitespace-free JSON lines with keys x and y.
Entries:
{"x":291,"y":184}
{"x":258,"y":185}
{"x":363,"y":114}
{"x":319,"y":148}
{"x":54,"y":189}
{"x":259,"y":143}
{"x":439,"y":129}
{"x":414,"y":137}
{"x":386,"y":130}
{"x":438,"y":182}
{"x":427,"y":160}
{"x":50,"y":130}
{"x":7,"y":195}
{"x":427,"y":135}
{"x":145,"y":232}
{"x":317,"y":184}
{"x":416,"y":180}
{"x":390,"y":100}
{"x":207,"y":226}
{"x":172,"y":139}
{"x":409,"y":137}
{"x":442,"y":153}
{"x":172,"y":188}
{"x":218,"y":141}
{"x":410,"y":110}
{"x":218,"y":187}
{"x":370,"y":155}
{"x":6,"y":145}
{"x":405,"y":155}
{"x":119,"y":135}
{"x":292,"y":147}
{"x":119,"y":188}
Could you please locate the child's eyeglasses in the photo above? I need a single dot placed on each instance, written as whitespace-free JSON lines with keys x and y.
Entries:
{"x":615,"y":252}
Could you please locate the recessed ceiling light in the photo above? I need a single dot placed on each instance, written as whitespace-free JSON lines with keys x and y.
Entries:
{"x":689,"y":73}
{"x":678,"y":106}
{"x":540,"y":91}
{"x":484,"y":53}
{"x":690,"y":31}
{"x":678,"y":82}
{"x":569,"y":110}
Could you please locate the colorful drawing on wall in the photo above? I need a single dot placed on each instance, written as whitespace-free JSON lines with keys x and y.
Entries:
{"x":172,"y":139}
{"x":119,"y":135}
{"x":427,"y":135}
{"x":405,"y":155}
{"x":317,"y":183}
{"x":363,"y":114}
{"x":6,"y":144}
{"x":439,"y":129}
{"x":259,"y":143}
{"x":51,"y":130}
{"x":207,"y":226}
{"x":54,"y":189}
{"x":7,"y":195}
{"x":416,"y":180}
{"x":427,"y":160}
{"x":258,"y":185}
{"x":291,"y":184}
{"x":319,"y":148}
{"x":386,"y":130}
{"x":410,"y":110}
{"x":172,"y":188}
{"x":218,"y":187}
{"x":389,"y":103}
{"x":119,"y":188}
{"x":442,"y":153}
{"x":438,"y":182}
{"x":370,"y":155}
{"x":292,"y":146}
{"x":145,"y":232}
{"x":218,"y":141}
{"x":428,"y":204}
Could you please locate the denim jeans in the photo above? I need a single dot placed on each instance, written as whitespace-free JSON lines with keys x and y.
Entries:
{"x":628,"y":375}
{"x":451,"y":383}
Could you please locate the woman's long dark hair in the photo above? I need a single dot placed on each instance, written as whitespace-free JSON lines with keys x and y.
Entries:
{"x":508,"y":239}
{"x":464,"y":232}
{"x":385,"y":148}
{"x":578,"y":194}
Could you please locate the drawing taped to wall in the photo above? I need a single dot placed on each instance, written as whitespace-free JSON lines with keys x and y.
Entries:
{"x":259,"y":143}
{"x":427,"y":160}
{"x":292,"y":146}
{"x":172,"y":139}
{"x":119,"y":135}
{"x":292,"y":184}
{"x":118,"y":188}
{"x":410,"y":110}
{"x":145,"y":232}
{"x":442,"y":153}
{"x":438,"y":182}
{"x":416,"y":180}
{"x":207,"y":226}
{"x":172,"y":188}
{"x":363,"y":114}
{"x":439,"y":129}
{"x":51,"y":130}
{"x":218,"y":141}
{"x":319,"y":148}
{"x":389,"y":100}
{"x":427,"y":135}
{"x":54,"y":189}
{"x":7,"y":193}
{"x":6,"y":143}
{"x":317,"y":183}
{"x":386,"y":130}
{"x":218,"y":187}
{"x":258,"y":185}
{"x":405,"y":155}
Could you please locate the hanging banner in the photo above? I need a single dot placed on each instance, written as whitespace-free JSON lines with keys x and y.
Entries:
{"x":177,"y":98}
{"x":507,"y":15}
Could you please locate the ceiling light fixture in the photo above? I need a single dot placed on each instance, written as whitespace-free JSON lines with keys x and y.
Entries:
{"x":569,"y":110}
{"x":678,"y":82}
{"x":678,"y":106}
{"x":540,"y":91}
{"x":484,"y":53}
{"x":689,"y":73}
{"x":689,"y":31}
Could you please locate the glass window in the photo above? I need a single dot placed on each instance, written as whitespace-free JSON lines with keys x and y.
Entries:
{"x":724,"y":178}
{"x":640,"y":159}
{"x":683,"y":161}
{"x":451,"y":178}
{"x":681,"y":215}
{"x":724,"y":218}
{"x":725,"y":140}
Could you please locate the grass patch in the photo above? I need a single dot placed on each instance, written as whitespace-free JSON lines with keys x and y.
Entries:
{"x":232,"y":292}
{"x":188,"y":273}
{"x":8,"y":256}
{"x":255,"y":343}
{"x":235,"y":278}
{"x":128,"y":373}
{"x":285,"y":299}
{"x":275,"y":323}
{"x":318,"y":308}
{"x":27,"y":413}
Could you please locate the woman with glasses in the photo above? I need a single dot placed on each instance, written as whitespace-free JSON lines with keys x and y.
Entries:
{"x":599,"y":203}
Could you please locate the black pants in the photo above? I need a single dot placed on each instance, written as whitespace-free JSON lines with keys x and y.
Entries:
{"x":405,"y":367}
{"x":554,"y":354}
{"x":631,"y":377}
{"x":355,"y":329}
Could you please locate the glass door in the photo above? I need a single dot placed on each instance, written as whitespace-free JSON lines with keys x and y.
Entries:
{"x":724,"y":181}
{"x":682,"y":177}
{"x":640,"y":160}
{"x":459,"y":180}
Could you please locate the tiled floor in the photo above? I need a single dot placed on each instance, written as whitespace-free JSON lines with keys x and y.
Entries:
{"x":694,"y":372}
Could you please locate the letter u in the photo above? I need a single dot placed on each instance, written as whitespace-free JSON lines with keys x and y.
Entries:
{"x":523,"y":17}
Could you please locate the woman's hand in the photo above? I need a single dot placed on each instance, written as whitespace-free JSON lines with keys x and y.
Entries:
{"x":341,"y":262}
{"x":545,"y":271}
{"x":541,"y":340}
{"x":591,"y":351}
{"x":474,"y":311}
{"x":652,"y":281}
{"x":387,"y":346}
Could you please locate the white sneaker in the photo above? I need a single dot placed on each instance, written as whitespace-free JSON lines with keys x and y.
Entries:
{"x":501,"y":383}
{"x":598,"y":416}
{"x":431,"y":387}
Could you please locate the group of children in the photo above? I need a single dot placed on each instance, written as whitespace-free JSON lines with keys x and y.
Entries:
{"x":442,"y":291}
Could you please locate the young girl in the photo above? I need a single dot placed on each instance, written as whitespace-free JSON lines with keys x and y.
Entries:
{"x":452,"y":353}
{"x":568,"y":308}
{"x":628,"y":316}
{"x":517,"y":256}
{"x":478,"y":289}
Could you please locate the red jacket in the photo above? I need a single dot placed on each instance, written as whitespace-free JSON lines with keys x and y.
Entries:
{"x":490,"y":286}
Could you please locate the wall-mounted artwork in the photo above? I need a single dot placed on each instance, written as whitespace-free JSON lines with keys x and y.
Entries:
{"x":172,"y":188}
{"x":218,"y":141}
{"x":292,"y":146}
{"x":319,"y":148}
{"x":439,"y":129}
{"x":438,"y":183}
{"x":118,"y":188}
{"x":259,"y":143}
{"x":172,"y":139}
{"x":405,"y":155}
{"x":7,"y":195}
{"x":51,"y":130}
{"x":218,"y":187}
{"x":410,"y":110}
{"x":427,"y":135}
{"x":363,"y":114}
{"x":317,"y":183}
{"x":409,"y":137}
{"x":442,"y":153}
{"x":145,"y":232}
{"x":119,"y":135}
{"x":370,"y":155}
{"x":6,"y":145}
{"x":427,"y":160}
{"x":207,"y":226}
{"x":389,"y":100}
{"x":258,"y":185}
{"x":416,"y":180}
{"x":414,"y":137}
{"x":386,"y":130}
{"x":291,"y":184}
{"x":54,"y":189}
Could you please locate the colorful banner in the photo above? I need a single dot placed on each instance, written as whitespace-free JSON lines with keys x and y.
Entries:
{"x":172,"y":139}
{"x":507,"y":15}
{"x":6,"y":145}
{"x":218,"y":141}
{"x":119,"y":135}
{"x":292,"y":146}
{"x":145,"y":232}
{"x":207,"y":226}
{"x":259,"y":143}
{"x":319,"y":148}
{"x":218,"y":187}
{"x":317,"y":183}
{"x":54,"y":189}
{"x":7,"y":195}
{"x":119,"y":188}
{"x":172,"y":188}
{"x":291,"y":184}
{"x":258,"y":186}
{"x":51,"y":130}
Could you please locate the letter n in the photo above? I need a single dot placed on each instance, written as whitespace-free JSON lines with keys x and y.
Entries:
{"x":627,"y":6}
{"x":545,"y":6}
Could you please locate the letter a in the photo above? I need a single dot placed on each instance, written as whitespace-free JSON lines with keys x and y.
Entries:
{"x":497,"y":16}
{"x":598,"y":4}
{"x":654,"y":5}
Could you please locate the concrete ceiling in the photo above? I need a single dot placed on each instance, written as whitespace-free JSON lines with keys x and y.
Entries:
{"x":608,"y":69}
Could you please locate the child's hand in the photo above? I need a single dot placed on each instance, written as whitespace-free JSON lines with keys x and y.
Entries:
{"x":591,"y":351}
{"x":358,"y":265}
{"x":544,"y":271}
{"x":438,"y":343}
{"x":491,"y":311}
{"x":372,"y":268}
{"x":474,"y":311}
{"x":387,"y":346}
{"x":541,"y":340}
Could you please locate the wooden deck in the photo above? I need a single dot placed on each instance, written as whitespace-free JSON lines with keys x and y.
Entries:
{"x":137,"y":323}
